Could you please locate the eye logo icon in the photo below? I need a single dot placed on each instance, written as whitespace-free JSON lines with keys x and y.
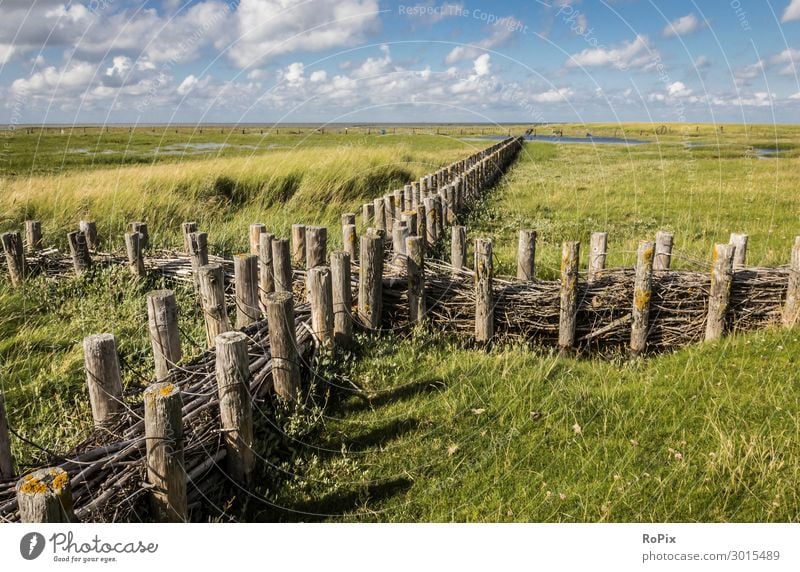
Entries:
{"x":31,"y":546}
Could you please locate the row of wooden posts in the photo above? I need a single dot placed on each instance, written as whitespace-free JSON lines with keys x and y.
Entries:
{"x":263,"y":285}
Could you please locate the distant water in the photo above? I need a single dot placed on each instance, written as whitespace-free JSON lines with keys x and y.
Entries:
{"x":556,"y":139}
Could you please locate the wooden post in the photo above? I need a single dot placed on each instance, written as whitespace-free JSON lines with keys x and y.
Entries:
{"x":316,"y":246}
{"x":103,"y":377}
{"x":15,"y":257}
{"x":719,"y":297}
{"x":368,"y":214}
{"x":570,"y":253}
{"x":410,"y":218}
{"x":89,"y":230}
{"x":526,"y":255}
{"x":597,"y":255}
{"x":256,"y":230}
{"x":458,"y":247}
{"x":281,"y":265}
{"x":663,"y":250}
{"x":133,"y":247}
{"x":642,"y":293}
{"x":415,"y":265}
{"x":350,"y":241}
{"x":141,"y":228}
{"x":187,"y":228}
{"x":348,"y":218}
{"x":380,"y":213}
{"x":282,"y":345}
{"x":266,"y":277}
{"x":370,"y":283}
{"x":6,"y":460}
{"x":321,"y":298}
{"x":388,"y":213}
{"x":45,"y":496}
{"x":422,"y":224}
{"x":162,"y":319}
{"x":245,"y":272}
{"x":791,"y":309}
{"x":739,"y":241}
{"x":342,"y":299}
{"x":198,"y":254}
{"x":299,"y":245}
{"x":430,"y":223}
{"x":33,"y":234}
{"x":399,"y":235}
{"x":439,"y":218}
{"x":235,"y":406}
{"x":163,"y":429}
{"x":484,"y":305}
{"x":212,"y":298}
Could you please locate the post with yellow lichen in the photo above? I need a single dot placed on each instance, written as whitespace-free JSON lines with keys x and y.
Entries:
{"x":6,"y":460}
{"x":235,"y":405}
{"x":791,"y":309}
{"x":379,"y":214}
{"x":570,"y":253}
{"x":719,"y":297}
{"x":370,"y":277}
{"x":163,"y":428}
{"x":642,"y":293}
{"x":103,"y":377}
{"x":597,"y":255}
{"x":484,"y":305}
{"x":282,"y":345}
{"x":348,"y":218}
{"x":45,"y":496}
{"x":245,"y":271}
{"x":663,"y":256}
{"x":342,"y":299}
{"x":15,"y":258}
{"x":162,"y":319}
{"x":212,"y":299}
{"x":350,"y":241}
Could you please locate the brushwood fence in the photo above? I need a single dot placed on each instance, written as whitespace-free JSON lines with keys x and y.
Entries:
{"x":159,"y":454}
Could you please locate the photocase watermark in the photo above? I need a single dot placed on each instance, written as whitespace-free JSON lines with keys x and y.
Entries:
{"x":66,"y":548}
{"x":31,"y":546}
{"x":97,"y":6}
{"x":459,"y":11}
{"x":741,"y":15}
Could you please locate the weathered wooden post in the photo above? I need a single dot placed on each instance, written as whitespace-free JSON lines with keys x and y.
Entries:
{"x":388,"y":213}
{"x":6,"y":460}
{"x":163,"y":429}
{"x":198,"y":254}
{"x":15,"y":257}
{"x":597,"y":255}
{"x":739,"y":242}
{"x":321,"y":299}
{"x":299,"y":245}
{"x":350,"y":241}
{"x":410,"y":219}
{"x":256,"y":230}
{"x":484,"y":305}
{"x":439,"y":218}
{"x":162,"y":319}
{"x":791,"y":309}
{"x":89,"y":230}
{"x":422,"y":224}
{"x":380,"y":213}
{"x":33,"y":234}
{"x":141,"y":228}
{"x":430,"y":223}
{"x":399,"y":235}
{"x":187,"y":228}
{"x":348,"y":218}
{"x":103,"y":377}
{"x":458,"y":247}
{"x":415,"y":266}
{"x":235,"y":405}
{"x":81,"y":260}
{"x":368,"y":214}
{"x":316,"y":246}
{"x":212,"y":299}
{"x":526,"y":255}
{"x":719,"y":297}
{"x":45,"y":496}
{"x":266,"y":277}
{"x":245,"y":272}
{"x":342,"y":299}
{"x":282,"y":345}
{"x":663,"y":256}
{"x":642,"y":293}
{"x":370,"y":286}
{"x":133,"y":248}
{"x":281,"y":265}
{"x":570,"y":253}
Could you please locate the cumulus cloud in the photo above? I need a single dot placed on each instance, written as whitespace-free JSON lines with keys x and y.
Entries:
{"x":788,"y":59}
{"x":749,"y":71}
{"x":678,"y":89}
{"x":482,"y":65}
{"x":553,"y":95}
{"x":501,"y":31}
{"x":682,"y":26}
{"x":636,"y":54}
{"x":792,"y":11}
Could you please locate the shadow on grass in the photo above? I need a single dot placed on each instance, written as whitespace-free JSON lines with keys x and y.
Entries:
{"x":374,"y":437}
{"x":391,"y":395}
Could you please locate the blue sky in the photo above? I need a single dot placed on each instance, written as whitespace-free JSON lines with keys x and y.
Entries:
{"x":379,"y":60}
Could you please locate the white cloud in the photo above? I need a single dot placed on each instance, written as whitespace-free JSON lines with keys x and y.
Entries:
{"x":788,"y":58}
{"x":294,"y":73}
{"x":553,"y":95}
{"x":482,"y":65}
{"x":678,"y":89}
{"x":792,"y":11}
{"x":795,"y":96}
{"x":77,"y":74}
{"x":749,"y":71}
{"x":6,"y":53}
{"x":702,"y":62}
{"x":634,"y":54}
{"x":318,"y":76}
{"x":502,"y":30}
{"x":682,"y":26}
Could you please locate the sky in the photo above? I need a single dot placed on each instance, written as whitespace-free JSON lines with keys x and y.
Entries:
{"x":351,"y":61}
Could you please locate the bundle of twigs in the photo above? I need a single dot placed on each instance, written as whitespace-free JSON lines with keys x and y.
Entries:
{"x":108,"y":474}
